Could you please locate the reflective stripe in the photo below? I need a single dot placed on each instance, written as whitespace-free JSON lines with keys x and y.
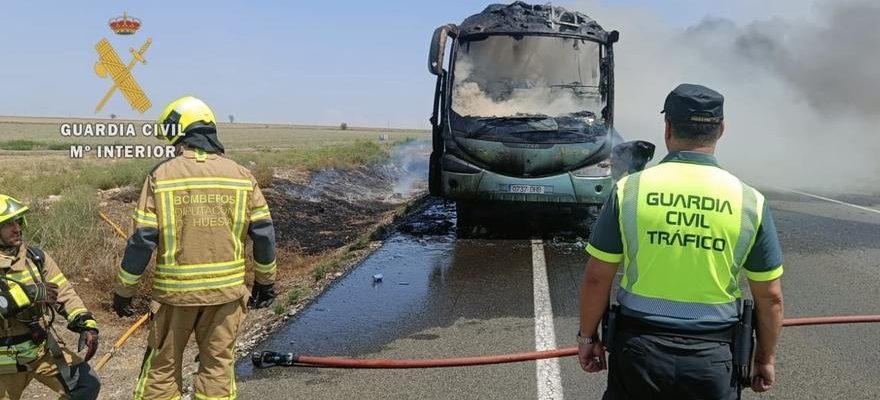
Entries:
{"x":145,"y":218}
{"x":629,"y":203}
{"x":173,"y":285}
{"x":203,"y":183}
{"x":265,"y":268}
{"x":128,"y":278}
{"x":18,"y":295}
{"x":168,"y":228}
{"x":200,"y":396}
{"x":23,"y":276}
{"x":76,"y":311}
{"x":23,"y":353}
{"x":603,"y":256}
{"x":238,"y":224}
{"x":260,"y":216}
{"x":58,"y":279}
{"x":225,"y":268}
{"x":142,"y":380}
{"x":749,"y":223}
{"x":765,"y":275}
{"x":260,"y":213}
{"x":678,"y":309}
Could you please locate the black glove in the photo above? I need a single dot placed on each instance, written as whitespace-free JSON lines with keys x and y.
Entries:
{"x":84,"y":324}
{"x":122,"y":306}
{"x":262,"y":295}
{"x":88,"y":338}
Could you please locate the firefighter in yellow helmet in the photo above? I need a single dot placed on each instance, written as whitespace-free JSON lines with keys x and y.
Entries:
{"x":32,"y":287}
{"x":196,"y":209}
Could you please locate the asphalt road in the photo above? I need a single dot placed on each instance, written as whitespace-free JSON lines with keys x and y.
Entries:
{"x":447,"y":297}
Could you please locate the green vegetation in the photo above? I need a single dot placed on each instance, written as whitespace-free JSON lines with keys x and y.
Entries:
{"x":279,"y":308}
{"x":25,"y":144}
{"x":37,"y":177}
{"x":361,"y":243}
{"x":349,"y":155}
{"x":72,"y":218}
{"x":240,"y":135}
{"x":331,"y":264}
{"x":295,"y":295}
{"x":321,"y":270}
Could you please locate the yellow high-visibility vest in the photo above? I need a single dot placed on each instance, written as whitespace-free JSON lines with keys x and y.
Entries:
{"x":686,"y":229}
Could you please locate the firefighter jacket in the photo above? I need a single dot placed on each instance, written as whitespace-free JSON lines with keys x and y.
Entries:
{"x":196,"y":209}
{"x":15,"y":335}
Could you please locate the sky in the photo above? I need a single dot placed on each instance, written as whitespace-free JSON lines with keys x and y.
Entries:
{"x":323,"y":62}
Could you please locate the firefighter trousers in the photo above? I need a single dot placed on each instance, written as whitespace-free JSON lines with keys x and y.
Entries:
{"x":45,"y":371}
{"x":215,"y":328}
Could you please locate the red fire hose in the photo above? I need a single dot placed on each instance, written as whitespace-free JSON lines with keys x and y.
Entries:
{"x":268,"y":359}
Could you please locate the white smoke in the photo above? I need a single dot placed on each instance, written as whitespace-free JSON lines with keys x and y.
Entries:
{"x":801,"y":94}
{"x":501,"y":77}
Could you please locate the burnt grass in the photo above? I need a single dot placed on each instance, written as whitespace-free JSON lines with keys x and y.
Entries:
{"x":331,"y":208}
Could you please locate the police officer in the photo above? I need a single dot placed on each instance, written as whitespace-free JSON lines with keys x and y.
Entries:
{"x":685,"y":230}
{"x":197,"y":209}
{"x":30,"y":284}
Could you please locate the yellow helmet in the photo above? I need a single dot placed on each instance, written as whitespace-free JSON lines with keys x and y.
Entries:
{"x":10,"y":209}
{"x":189,"y":113}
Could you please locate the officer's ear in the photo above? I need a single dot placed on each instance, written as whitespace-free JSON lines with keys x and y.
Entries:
{"x":667,"y":133}
{"x":721,"y":131}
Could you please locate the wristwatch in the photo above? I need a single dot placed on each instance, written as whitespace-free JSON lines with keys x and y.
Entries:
{"x":587,"y":339}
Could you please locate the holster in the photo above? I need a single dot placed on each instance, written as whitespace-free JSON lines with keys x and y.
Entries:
{"x":744,"y":344}
{"x":609,"y":326}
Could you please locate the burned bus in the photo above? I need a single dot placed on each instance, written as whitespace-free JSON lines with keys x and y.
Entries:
{"x":524,"y":111}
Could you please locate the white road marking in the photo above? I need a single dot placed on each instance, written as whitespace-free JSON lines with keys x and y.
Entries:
{"x":547,"y":371}
{"x":869,"y":209}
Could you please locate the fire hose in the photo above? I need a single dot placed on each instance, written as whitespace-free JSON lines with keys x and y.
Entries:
{"x":267,"y":359}
{"x":122,"y":339}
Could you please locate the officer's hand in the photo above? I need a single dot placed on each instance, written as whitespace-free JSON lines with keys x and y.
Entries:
{"x":122,"y":306}
{"x":763,"y":376}
{"x":88,"y":338}
{"x":261,"y":296}
{"x":592,"y":356}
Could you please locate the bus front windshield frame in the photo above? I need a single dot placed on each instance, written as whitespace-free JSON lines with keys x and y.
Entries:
{"x":505,"y":76}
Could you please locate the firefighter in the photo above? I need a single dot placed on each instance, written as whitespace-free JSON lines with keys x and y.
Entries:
{"x":32,"y":288}
{"x":686,"y":231}
{"x":196,"y":209}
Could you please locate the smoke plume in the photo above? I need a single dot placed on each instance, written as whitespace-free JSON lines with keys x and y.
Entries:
{"x":801,"y":94}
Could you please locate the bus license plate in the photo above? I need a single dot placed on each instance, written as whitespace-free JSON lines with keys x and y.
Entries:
{"x":529,"y":189}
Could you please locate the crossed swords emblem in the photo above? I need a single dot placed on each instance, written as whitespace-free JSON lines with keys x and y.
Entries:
{"x":109,"y":62}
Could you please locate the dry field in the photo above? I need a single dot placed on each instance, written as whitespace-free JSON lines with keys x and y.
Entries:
{"x":66,"y":195}
{"x":234,"y":136}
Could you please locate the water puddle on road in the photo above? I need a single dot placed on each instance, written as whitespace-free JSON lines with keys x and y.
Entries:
{"x":361,"y":312}
{"x":429,"y":278}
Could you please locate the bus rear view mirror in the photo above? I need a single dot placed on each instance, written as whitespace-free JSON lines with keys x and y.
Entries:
{"x":629,"y":157}
{"x":438,"y":47}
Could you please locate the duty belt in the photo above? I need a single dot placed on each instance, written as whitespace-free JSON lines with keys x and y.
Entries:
{"x":638,"y":326}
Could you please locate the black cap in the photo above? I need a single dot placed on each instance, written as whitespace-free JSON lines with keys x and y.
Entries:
{"x":694,"y":103}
